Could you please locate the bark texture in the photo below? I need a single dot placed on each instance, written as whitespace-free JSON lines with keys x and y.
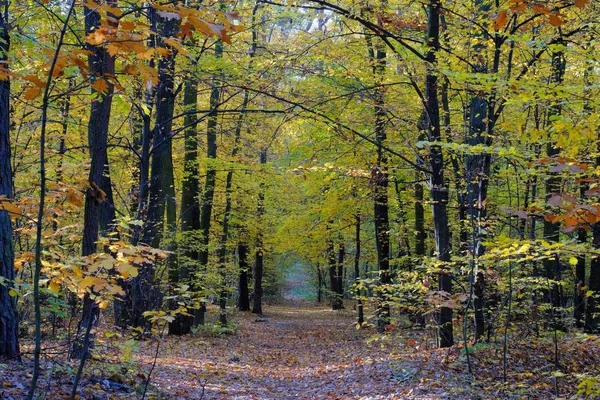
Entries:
{"x":9,"y":323}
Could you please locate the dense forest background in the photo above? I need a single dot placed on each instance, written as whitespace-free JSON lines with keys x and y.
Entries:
{"x":424,"y":164}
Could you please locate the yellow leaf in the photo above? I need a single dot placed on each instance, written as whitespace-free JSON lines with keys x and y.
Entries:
{"x":573,"y":261}
{"x":126,"y":270}
{"x":9,"y":206}
{"x":12,"y":293}
{"x":176,"y":45}
{"x":75,"y":197}
{"x":54,"y":286}
{"x":87,"y":282}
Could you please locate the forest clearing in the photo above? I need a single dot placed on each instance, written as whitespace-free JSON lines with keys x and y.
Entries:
{"x":272,"y":199}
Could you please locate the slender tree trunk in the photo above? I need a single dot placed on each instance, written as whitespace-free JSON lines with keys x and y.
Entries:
{"x":579,"y":297}
{"x":143,"y":295}
{"x":244,"y":295}
{"x":190,"y":205}
{"x":340,"y":273}
{"x":319,"y":283}
{"x":143,"y":169}
{"x":380,"y":182}
{"x":360,"y":317}
{"x":579,"y":292}
{"x":420,"y":234}
{"x":592,"y":310}
{"x":439,"y":191}
{"x":477,"y":171}
{"x":258,"y":267}
{"x":227,"y":212}
{"x":333,"y":276}
{"x":102,"y":66}
{"x":9,"y":323}
{"x":553,"y":183}
{"x":211,"y":177}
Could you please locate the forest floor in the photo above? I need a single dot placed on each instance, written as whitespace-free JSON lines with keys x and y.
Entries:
{"x":305,"y":352}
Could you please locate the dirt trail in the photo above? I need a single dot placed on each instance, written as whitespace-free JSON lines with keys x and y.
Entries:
{"x":291,"y":353}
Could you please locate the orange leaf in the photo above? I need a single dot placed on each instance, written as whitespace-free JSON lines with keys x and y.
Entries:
{"x":130,"y":70}
{"x":540,"y":9}
{"x":501,"y":20}
{"x":518,"y":7}
{"x":580,"y":3}
{"x":100,"y":85}
{"x":74,"y":197}
{"x":555,"y":20}
{"x":35,"y":80}
{"x":31,"y":93}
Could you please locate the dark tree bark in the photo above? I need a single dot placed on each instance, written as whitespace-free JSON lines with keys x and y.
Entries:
{"x":227,"y":212}
{"x":244,"y":295}
{"x":553,"y":183}
{"x":336,"y":301}
{"x":439,"y":191}
{"x":9,"y":323}
{"x":258,"y":266}
{"x":102,"y":66}
{"x":360,"y":317}
{"x":190,"y":205}
{"x":148,"y":97}
{"x":579,"y":298}
{"x":419,"y":218}
{"x":477,"y":170}
{"x":142,"y":295}
{"x":579,"y":292}
{"x":319,"y":283}
{"x":592,"y":311}
{"x":209,"y":184}
{"x":340,"y":272}
{"x":380,"y":183}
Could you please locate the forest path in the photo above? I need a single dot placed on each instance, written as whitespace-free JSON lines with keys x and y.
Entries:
{"x":300,"y":352}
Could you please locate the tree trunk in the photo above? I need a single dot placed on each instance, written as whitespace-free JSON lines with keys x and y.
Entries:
{"x":190,"y":206}
{"x":333,"y":276}
{"x":258,"y":267}
{"x":102,"y":66}
{"x":439,"y":192}
{"x":340,"y":273}
{"x":553,"y":183}
{"x":360,"y":317}
{"x":319,"y":283}
{"x":244,"y":295}
{"x":9,"y":323}
{"x":211,"y":177}
{"x":143,"y":295}
{"x":477,"y":171}
{"x":380,"y":182}
{"x":227,"y":212}
{"x":592,"y":312}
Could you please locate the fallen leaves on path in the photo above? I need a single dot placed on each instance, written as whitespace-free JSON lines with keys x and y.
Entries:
{"x":309,"y":352}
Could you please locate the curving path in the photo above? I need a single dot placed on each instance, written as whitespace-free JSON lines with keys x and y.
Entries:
{"x":291,"y":353}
